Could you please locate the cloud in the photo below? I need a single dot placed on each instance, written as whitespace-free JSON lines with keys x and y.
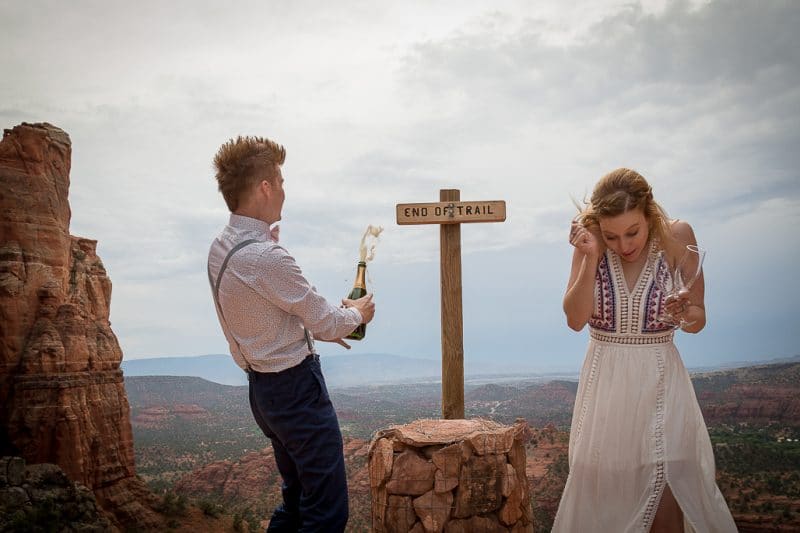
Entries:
{"x":713,"y":88}
{"x":526,"y":102}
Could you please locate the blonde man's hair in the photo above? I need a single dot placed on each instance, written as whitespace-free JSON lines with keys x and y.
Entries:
{"x":618,"y":192}
{"x":240,"y":163}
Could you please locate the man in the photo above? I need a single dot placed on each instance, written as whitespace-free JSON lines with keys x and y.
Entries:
{"x":270,"y":315}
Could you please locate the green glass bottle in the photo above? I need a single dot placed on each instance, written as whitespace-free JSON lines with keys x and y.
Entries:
{"x":359,"y":291}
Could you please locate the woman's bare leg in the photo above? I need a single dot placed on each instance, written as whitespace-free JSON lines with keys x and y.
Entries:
{"x":669,"y":517}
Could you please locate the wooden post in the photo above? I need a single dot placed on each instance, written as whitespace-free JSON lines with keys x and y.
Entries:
{"x":450,"y":213}
{"x":452,"y":315}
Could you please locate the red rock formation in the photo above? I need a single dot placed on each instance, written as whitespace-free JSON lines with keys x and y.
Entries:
{"x":244,"y":480}
{"x":60,"y":383}
{"x":755,"y":395}
{"x":253,"y":482}
{"x":159,"y":416}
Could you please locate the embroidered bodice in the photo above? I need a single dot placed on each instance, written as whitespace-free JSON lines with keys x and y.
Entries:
{"x":629,"y":316}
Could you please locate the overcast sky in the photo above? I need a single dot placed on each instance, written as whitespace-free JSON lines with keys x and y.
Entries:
{"x":380,"y":103}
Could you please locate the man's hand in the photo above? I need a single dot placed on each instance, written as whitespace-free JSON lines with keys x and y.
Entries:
{"x":364,"y":305}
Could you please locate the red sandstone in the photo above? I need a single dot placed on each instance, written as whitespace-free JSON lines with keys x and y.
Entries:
{"x":61,"y":386}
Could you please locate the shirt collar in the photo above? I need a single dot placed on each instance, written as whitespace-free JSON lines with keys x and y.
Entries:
{"x":253,"y":224}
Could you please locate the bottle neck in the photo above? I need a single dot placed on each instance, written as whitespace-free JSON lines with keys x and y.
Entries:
{"x":361,"y":275}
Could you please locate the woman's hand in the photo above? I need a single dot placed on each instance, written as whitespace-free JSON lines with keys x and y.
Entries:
{"x":586,"y":241}
{"x":681,"y":309}
{"x":579,"y":298}
{"x":677,"y":306}
{"x":690,"y":305}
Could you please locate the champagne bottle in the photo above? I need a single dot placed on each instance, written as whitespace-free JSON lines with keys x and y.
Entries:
{"x":359,"y":291}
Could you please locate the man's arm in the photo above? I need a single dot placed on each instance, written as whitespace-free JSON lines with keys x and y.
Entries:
{"x":281,"y":281}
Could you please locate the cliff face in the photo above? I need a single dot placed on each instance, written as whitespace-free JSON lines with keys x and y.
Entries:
{"x":253,"y":482}
{"x":759,"y":395}
{"x":60,"y":383}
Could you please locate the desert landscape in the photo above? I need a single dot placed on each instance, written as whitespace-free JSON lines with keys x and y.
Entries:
{"x":195,"y":439}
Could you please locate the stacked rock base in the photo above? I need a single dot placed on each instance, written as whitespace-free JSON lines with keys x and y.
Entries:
{"x":450,"y":476}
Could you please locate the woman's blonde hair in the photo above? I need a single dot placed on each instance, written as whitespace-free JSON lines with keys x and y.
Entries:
{"x":240,"y":163}
{"x":620,"y":191}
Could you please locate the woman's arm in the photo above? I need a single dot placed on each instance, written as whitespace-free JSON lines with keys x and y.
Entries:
{"x":579,"y":297}
{"x":691,"y":307}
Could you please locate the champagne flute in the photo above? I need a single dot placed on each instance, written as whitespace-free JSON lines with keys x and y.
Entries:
{"x":675,"y":283}
{"x":664,"y":280}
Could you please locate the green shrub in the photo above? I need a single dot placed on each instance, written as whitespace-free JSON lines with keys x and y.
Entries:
{"x":172,"y":505}
{"x":44,"y":517}
{"x":237,"y":522}
{"x":211,"y":509}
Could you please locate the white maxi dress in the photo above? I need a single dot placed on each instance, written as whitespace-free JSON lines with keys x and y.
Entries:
{"x":636,"y":424}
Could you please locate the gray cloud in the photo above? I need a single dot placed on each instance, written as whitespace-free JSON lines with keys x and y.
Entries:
{"x":708,"y":87}
{"x":525,"y":102}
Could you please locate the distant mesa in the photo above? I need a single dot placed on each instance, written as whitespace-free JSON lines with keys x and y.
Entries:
{"x":61,"y":386}
{"x":161,"y":416}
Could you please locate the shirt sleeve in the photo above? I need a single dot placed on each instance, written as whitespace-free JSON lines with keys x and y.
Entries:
{"x":280,"y":280}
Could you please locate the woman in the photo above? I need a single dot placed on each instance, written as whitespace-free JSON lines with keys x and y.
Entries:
{"x":639,"y":453}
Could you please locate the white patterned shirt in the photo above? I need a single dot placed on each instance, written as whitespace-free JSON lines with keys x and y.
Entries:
{"x":267,"y":302}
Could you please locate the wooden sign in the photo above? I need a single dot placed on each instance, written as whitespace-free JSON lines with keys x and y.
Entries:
{"x":451,"y":212}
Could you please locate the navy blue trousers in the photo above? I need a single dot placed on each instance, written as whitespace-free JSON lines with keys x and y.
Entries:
{"x":294,"y":411}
